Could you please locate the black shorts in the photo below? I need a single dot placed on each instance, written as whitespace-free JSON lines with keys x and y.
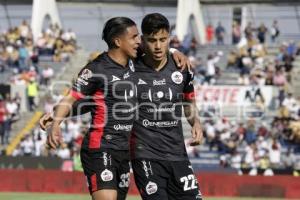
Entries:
{"x":172,"y":180}
{"x":107,"y":169}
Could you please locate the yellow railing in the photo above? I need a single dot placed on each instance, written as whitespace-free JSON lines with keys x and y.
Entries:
{"x":29,"y":126}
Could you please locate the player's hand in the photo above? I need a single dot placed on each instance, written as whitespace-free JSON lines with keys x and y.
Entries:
{"x":45,"y":121}
{"x":197,"y":134}
{"x":54,"y":138}
{"x":182,"y":61}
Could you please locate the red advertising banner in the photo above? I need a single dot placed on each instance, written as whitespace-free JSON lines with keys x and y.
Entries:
{"x":211,"y":184}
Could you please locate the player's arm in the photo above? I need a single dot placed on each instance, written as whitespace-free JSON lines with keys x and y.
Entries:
{"x":46,"y":120}
{"x":181,"y":60}
{"x":85,"y":85}
{"x":63,"y":108}
{"x":191,"y":111}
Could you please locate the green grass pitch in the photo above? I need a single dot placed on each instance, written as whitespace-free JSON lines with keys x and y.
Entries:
{"x":50,"y":196}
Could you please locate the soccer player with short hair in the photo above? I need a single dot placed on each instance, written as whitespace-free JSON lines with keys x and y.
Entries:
{"x":161,"y":167}
{"x":103,"y":81}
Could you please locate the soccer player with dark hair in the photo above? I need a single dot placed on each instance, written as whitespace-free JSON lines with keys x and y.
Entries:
{"x":160,"y":163}
{"x":103,"y":82}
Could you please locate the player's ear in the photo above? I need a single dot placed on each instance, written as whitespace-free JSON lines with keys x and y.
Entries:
{"x":117,"y":42}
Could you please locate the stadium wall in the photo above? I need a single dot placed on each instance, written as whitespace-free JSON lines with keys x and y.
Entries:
{"x":212,"y":184}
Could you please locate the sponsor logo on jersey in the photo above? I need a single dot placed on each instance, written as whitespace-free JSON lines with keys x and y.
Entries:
{"x":152,"y":110}
{"x":151,"y":188}
{"x":177,"y":77}
{"x":114,"y":78}
{"x":160,"y":124}
{"x":107,"y":175}
{"x":159,"y":82}
{"x":141,"y":82}
{"x":122,"y":127}
{"x":86,"y":74}
{"x":126,"y":75}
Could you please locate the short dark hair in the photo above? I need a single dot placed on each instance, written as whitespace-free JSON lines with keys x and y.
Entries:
{"x":154,"y":22}
{"x":115,"y":27}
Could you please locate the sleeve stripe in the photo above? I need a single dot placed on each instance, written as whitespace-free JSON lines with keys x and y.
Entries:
{"x":189,"y":95}
{"x":77,"y":95}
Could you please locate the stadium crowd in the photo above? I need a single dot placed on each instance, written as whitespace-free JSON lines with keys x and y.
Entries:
{"x":20,"y":64}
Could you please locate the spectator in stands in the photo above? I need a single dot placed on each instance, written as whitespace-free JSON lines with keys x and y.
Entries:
{"x":232,"y":60}
{"x":23,"y":58}
{"x":47,"y":75}
{"x":261,"y":33}
{"x":25,"y":32}
{"x":279,"y":78}
{"x":210,"y":134}
{"x":209,"y":33}
{"x":249,"y":31}
{"x":11,"y":116}
{"x":291,"y":104}
{"x":220,"y":33}
{"x":275,"y":32}
{"x":236,"y":161}
{"x":288,"y":159}
{"x":27,"y":145}
{"x":250,"y":135}
{"x":49,"y":104}
{"x":212,"y":70}
{"x":251,"y":156}
{"x":274,"y":153}
{"x":38,"y":145}
{"x":236,"y":32}
{"x":32,"y":93}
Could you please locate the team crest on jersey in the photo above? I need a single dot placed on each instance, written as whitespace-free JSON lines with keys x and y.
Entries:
{"x":131,"y":66}
{"x":177,"y":77}
{"x":107,"y":175}
{"x":86,"y":74}
{"x":151,"y":188}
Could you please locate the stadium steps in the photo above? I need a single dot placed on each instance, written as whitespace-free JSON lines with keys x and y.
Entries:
{"x":29,"y":120}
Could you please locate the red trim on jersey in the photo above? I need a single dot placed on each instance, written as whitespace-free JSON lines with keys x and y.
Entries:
{"x":77,"y":95}
{"x":189,"y":96}
{"x":94,"y":183}
{"x":98,"y":121}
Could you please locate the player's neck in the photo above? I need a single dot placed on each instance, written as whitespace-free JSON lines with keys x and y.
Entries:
{"x":156,"y":65}
{"x":118,"y":57}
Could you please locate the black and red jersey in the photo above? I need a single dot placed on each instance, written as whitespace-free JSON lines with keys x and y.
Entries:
{"x":111,"y":93}
{"x":157,"y":132}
